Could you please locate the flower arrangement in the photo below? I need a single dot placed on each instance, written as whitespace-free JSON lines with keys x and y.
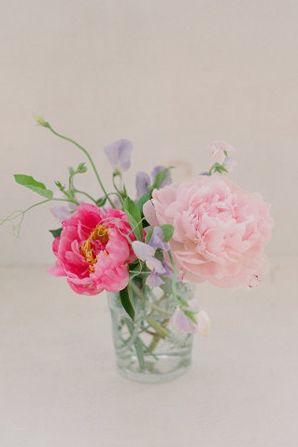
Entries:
{"x":146,"y":250}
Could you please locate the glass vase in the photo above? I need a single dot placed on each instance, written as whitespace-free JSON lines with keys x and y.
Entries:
{"x":148,"y":348}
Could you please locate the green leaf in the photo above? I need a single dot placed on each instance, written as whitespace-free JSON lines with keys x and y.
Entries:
{"x":217,"y":167}
{"x":134,"y":217}
{"x":168,"y":231}
{"x":126,"y":303}
{"x":161,"y":177}
{"x":132,"y":209}
{"x":135,"y":225}
{"x":34,"y":185}
{"x":143,"y":200}
{"x":56,"y":233}
{"x":101,"y":202}
{"x":191,"y":315}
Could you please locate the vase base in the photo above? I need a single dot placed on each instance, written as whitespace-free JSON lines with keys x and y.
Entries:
{"x":171,"y":372}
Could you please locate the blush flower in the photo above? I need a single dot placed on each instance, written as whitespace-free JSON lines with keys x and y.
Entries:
{"x":220,"y":230}
{"x":93,"y":250}
{"x":220,"y":150}
{"x":201,"y":322}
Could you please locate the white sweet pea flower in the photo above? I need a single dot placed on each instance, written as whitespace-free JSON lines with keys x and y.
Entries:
{"x":203,"y":323}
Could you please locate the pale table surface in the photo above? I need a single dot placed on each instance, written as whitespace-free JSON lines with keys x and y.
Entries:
{"x":59,"y":386}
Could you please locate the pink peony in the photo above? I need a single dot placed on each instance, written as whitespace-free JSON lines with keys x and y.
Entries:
{"x":93,"y":251}
{"x":220,"y":230}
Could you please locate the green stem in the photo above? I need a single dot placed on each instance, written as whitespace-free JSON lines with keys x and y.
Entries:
{"x":161,"y":331}
{"x":18,"y":213}
{"x":160,"y":310}
{"x":70,"y":140}
{"x":137,"y":344}
{"x":137,"y":291}
{"x":119,"y":192}
{"x":156,"y":339}
{"x":174,"y":282}
{"x":85,"y":194}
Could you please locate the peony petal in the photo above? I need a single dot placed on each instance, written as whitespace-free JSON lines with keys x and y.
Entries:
{"x":220,"y":231}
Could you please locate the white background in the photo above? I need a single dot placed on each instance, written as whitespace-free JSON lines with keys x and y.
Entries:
{"x":172,"y":76}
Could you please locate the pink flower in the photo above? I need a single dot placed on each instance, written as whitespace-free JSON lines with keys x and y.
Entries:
{"x":185,"y":324}
{"x":220,"y":230}
{"x":220,"y":150}
{"x":93,"y":251}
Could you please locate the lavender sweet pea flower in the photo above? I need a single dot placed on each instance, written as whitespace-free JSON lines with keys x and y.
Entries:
{"x":167,"y":180}
{"x":154,"y":280}
{"x":119,"y":154}
{"x":147,"y":254}
{"x":168,"y":270}
{"x":143,"y":182}
{"x":62,"y":212}
{"x":157,"y":240}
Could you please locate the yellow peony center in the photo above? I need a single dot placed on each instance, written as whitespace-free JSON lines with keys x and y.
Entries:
{"x":100,"y":234}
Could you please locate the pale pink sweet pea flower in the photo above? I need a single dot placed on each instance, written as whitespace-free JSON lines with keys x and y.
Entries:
{"x":184,"y":324}
{"x":220,"y":231}
{"x":203,"y":323}
{"x":63,"y":212}
{"x":230,"y":164}
{"x":93,"y":251}
{"x":220,"y":149}
{"x":146,"y":253}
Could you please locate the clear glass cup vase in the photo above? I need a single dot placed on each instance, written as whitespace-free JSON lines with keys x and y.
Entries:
{"x":148,"y":348}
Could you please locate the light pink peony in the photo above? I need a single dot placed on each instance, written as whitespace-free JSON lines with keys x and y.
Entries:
{"x":220,"y":230}
{"x":93,"y":251}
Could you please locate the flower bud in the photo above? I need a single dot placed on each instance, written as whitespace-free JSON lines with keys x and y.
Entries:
{"x":41,"y":121}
